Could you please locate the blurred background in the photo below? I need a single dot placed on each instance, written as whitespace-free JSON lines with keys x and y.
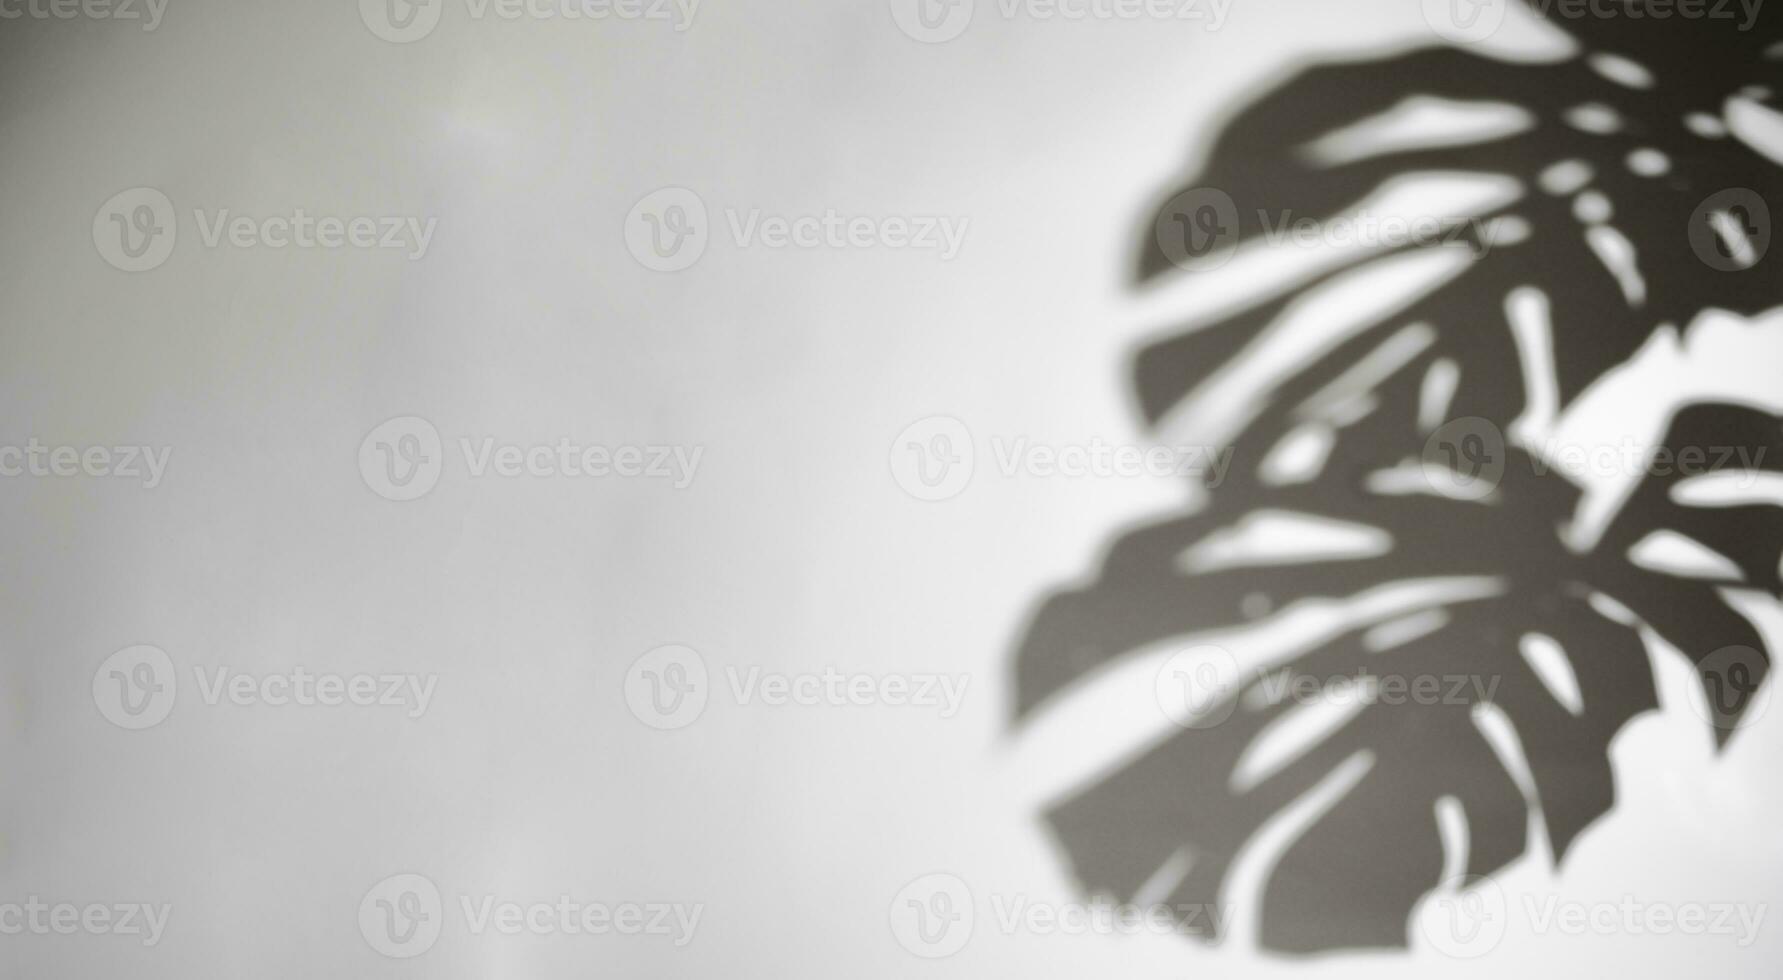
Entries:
{"x":536,"y":315}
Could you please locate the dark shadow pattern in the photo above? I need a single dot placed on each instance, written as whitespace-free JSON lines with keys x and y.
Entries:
{"x":1352,"y":878}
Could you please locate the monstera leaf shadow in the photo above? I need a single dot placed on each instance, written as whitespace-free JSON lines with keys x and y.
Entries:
{"x":1640,"y":207}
